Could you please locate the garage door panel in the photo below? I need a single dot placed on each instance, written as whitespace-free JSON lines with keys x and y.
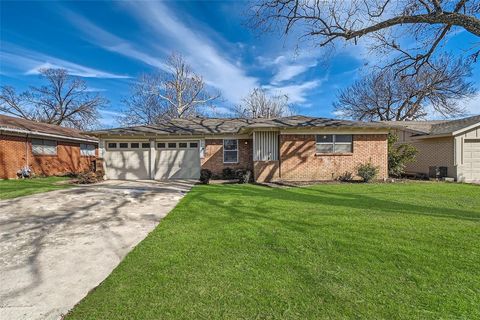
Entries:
{"x":177,"y":163}
{"x":471,"y":160}
{"x":127,"y":164}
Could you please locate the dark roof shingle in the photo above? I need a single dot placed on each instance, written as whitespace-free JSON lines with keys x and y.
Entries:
{"x":235,"y":125}
{"x":436,"y":127}
{"x":34,"y":127}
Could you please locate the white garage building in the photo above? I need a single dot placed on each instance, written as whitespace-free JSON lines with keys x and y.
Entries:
{"x":449,"y":148}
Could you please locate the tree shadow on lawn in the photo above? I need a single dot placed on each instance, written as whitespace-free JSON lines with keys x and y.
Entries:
{"x":263,"y":197}
{"x":264,"y":211}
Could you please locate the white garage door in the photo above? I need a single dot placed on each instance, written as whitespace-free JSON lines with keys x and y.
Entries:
{"x":127,"y":160}
{"x":177,"y":160}
{"x":471,"y":159}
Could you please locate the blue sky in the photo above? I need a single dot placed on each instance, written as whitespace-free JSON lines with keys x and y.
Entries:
{"x":110,"y":43}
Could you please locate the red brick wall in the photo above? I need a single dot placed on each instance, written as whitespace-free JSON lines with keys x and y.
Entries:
{"x":265,"y":171}
{"x":213,"y":160}
{"x":298,"y":160}
{"x":12,"y":155}
{"x":13,"y":158}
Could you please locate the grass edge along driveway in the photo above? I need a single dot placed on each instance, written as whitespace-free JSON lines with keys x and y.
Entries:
{"x":14,"y":188}
{"x":391,"y":251}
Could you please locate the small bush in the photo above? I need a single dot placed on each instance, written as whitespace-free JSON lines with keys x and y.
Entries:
{"x":399,"y":155}
{"x":347,"y":176}
{"x":99,"y":174}
{"x":87,"y":178}
{"x":243,"y":175}
{"x":367,"y":172}
{"x":228,"y":174}
{"x":205,"y":176}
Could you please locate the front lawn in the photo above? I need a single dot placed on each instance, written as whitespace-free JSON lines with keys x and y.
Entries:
{"x":22,"y":187}
{"x":381,"y":251}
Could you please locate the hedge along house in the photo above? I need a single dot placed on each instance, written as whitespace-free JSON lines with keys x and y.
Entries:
{"x":47,"y":149}
{"x":446,"y":148}
{"x":290,"y":148}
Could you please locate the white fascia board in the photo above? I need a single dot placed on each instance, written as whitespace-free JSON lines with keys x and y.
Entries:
{"x":473,"y":126}
{"x":314,"y":130}
{"x":174,"y":136}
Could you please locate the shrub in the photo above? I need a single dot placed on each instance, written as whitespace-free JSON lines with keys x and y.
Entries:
{"x":87,"y":178}
{"x":367,"y":171}
{"x":99,"y":174}
{"x":243,"y":175}
{"x":346,"y":176}
{"x":399,"y":155}
{"x":228,"y":174}
{"x":205,"y":176}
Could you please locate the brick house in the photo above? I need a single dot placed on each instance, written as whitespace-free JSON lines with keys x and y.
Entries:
{"x":446,"y":148}
{"x":46,"y":149}
{"x":290,"y":148}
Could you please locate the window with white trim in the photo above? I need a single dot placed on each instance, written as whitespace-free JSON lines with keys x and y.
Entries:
{"x":87,"y":150}
{"x":44,"y":147}
{"x":334,"y":143}
{"x":230,"y":151}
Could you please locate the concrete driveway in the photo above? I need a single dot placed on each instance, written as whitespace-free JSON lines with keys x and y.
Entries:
{"x":56,"y":246}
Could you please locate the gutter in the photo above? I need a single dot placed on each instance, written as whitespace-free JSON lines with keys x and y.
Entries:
{"x":41,"y":134}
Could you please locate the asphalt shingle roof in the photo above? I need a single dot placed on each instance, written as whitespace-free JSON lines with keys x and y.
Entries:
{"x":34,"y":127}
{"x":436,"y":127}
{"x":235,"y":125}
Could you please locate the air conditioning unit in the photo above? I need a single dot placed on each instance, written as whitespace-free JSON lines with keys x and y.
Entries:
{"x":437,"y":172}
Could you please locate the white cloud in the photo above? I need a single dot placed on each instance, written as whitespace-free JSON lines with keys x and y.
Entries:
{"x":297,"y":93}
{"x":109,"y":118}
{"x":218,"y":71}
{"x":472,"y":105}
{"x":200,"y":52}
{"x":110,"y":42}
{"x":287,"y":72}
{"x":30,"y":62}
{"x":93,"y":89}
{"x":288,"y":65}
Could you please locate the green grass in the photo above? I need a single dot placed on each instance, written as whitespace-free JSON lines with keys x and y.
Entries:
{"x":22,"y":187}
{"x":380,"y":251}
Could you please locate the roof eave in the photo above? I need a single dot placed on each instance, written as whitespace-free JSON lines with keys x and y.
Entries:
{"x":43,"y":134}
{"x":467,"y":128}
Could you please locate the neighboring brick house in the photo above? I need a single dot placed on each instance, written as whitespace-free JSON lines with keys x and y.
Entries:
{"x":46,"y":149}
{"x":290,"y":148}
{"x":448,"y":148}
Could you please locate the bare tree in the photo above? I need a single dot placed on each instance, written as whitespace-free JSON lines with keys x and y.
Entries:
{"x":176,"y":93}
{"x":387,"y":22}
{"x":385,"y":96}
{"x":65,"y":100}
{"x":258,"y":104}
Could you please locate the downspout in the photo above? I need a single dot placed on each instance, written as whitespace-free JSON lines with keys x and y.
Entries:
{"x":279,"y":157}
{"x":26,"y":149}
